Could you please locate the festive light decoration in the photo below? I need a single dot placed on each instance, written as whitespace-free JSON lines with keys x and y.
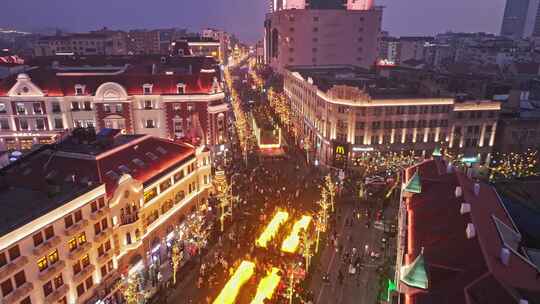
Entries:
{"x":290,"y":244}
{"x":242,"y":274}
{"x":505,"y":166}
{"x":176,"y":258}
{"x":371,"y":163}
{"x":272,"y":228}
{"x":329,"y":190}
{"x":267,"y":286}
{"x":131,"y":291}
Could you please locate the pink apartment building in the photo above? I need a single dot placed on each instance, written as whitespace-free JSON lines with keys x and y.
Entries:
{"x":347,"y":35}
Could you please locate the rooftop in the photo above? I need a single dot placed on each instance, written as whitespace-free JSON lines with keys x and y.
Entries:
{"x":461,"y":238}
{"x":53,"y":175}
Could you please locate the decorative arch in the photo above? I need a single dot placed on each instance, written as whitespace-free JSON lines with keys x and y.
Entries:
{"x":111,"y":91}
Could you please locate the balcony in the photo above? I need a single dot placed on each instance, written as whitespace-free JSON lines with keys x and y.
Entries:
{"x":19,"y":293}
{"x":105,"y":233}
{"x":128,"y":219}
{"x":99,"y":213}
{"x":75,"y":228}
{"x":46,"y":246}
{"x":79,"y":277}
{"x":57,"y":294}
{"x":8,"y":269}
{"x":82,"y":249}
{"x":52,"y":270}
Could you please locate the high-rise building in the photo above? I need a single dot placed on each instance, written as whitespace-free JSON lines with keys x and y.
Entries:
{"x":521,"y":18}
{"x":309,"y":32}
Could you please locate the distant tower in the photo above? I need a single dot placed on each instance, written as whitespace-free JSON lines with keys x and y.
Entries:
{"x":521,"y":19}
{"x":361,"y":5}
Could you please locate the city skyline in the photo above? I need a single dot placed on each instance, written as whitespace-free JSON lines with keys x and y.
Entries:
{"x":468,"y":16}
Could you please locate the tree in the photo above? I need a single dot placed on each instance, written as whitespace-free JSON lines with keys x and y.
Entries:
{"x":329,"y":190}
{"x":176,"y":259}
{"x":131,"y":291}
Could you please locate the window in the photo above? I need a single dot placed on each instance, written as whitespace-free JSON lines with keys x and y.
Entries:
{"x":81,"y":238}
{"x":119,"y":108}
{"x":47,"y":288}
{"x":4,"y":124}
{"x":315,"y":29}
{"x":85,"y":261}
{"x":58,"y":281}
{"x":23,"y":124}
{"x":2,"y":108}
{"x":107,"y":108}
{"x":68,"y":221}
{"x":6,"y":287}
{"x":150,"y":123}
{"x":87,"y":106}
{"x":147,"y":89}
{"x":359,"y":140}
{"x":165,"y":185}
{"x":103,"y":271}
{"x":148,"y":105}
{"x":97,"y":228}
{"x":20,"y":279}
{"x":104,"y":224}
{"x":53,"y":257}
{"x":20,"y":108}
{"x":14,"y":252}
{"x":40,"y":124}
{"x":75,"y":106}
{"x":79,"y":90}
{"x":78,"y":216}
{"x":151,"y":155}
{"x":72,"y":244}
{"x":89,"y":282}
{"x":42,"y":264}
{"x":27,"y":301}
{"x":58,"y":123}
{"x":37,"y":108}
{"x":3,"y":259}
{"x":38,"y":239}
{"x":180,"y":89}
{"x":178,"y":176}
{"x":80,"y":289}
{"x":376,"y":125}
{"x":49,"y":232}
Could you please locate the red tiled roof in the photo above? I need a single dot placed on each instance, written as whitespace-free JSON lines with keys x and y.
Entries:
{"x":54,"y":85}
{"x":175,"y":154}
{"x":459,"y":268}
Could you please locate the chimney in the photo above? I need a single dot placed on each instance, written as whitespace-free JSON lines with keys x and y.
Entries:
{"x":505,"y":256}
{"x":465,"y":208}
{"x":476,"y":189}
{"x":471,"y":231}
{"x":458,"y":191}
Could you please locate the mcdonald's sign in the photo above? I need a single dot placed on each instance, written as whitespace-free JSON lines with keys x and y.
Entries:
{"x":341,"y":153}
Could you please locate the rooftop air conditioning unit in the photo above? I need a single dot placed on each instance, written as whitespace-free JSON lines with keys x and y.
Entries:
{"x":465,"y":208}
{"x":505,"y":256}
{"x":471,"y":231}
{"x":458,"y":191}
{"x":476,"y":189}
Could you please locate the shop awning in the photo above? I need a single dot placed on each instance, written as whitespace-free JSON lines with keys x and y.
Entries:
{"x":414,"y":185}
{"x":415,"y":274}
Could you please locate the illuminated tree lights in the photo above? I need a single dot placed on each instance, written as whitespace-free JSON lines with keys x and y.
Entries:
{"x":131,"y":290}
{"x":176,"y":258}
{"x":506,"y":166}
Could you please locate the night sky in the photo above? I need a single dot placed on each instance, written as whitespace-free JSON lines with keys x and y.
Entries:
{"x":242,"y":17}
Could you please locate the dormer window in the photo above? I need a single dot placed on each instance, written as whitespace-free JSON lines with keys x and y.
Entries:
{"x":79,"y":89}
{"x":181,"y":88}
{"x":147,"y":89}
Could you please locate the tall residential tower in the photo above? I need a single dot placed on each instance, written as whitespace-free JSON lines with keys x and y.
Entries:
{"x":521,"y":19}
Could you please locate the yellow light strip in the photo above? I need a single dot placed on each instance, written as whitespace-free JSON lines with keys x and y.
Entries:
{"x":290,"y":244}
{"x":266,"y":287}
{"x":272,"y":228}
{"x":242,"y":274}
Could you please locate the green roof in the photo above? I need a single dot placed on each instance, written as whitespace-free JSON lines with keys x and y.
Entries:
{"x":415,"y":274}
{"x":437,"y":152}
{"x":414,"y":185}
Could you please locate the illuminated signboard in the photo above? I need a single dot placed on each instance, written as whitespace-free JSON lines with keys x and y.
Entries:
{"x":341,"y":151}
